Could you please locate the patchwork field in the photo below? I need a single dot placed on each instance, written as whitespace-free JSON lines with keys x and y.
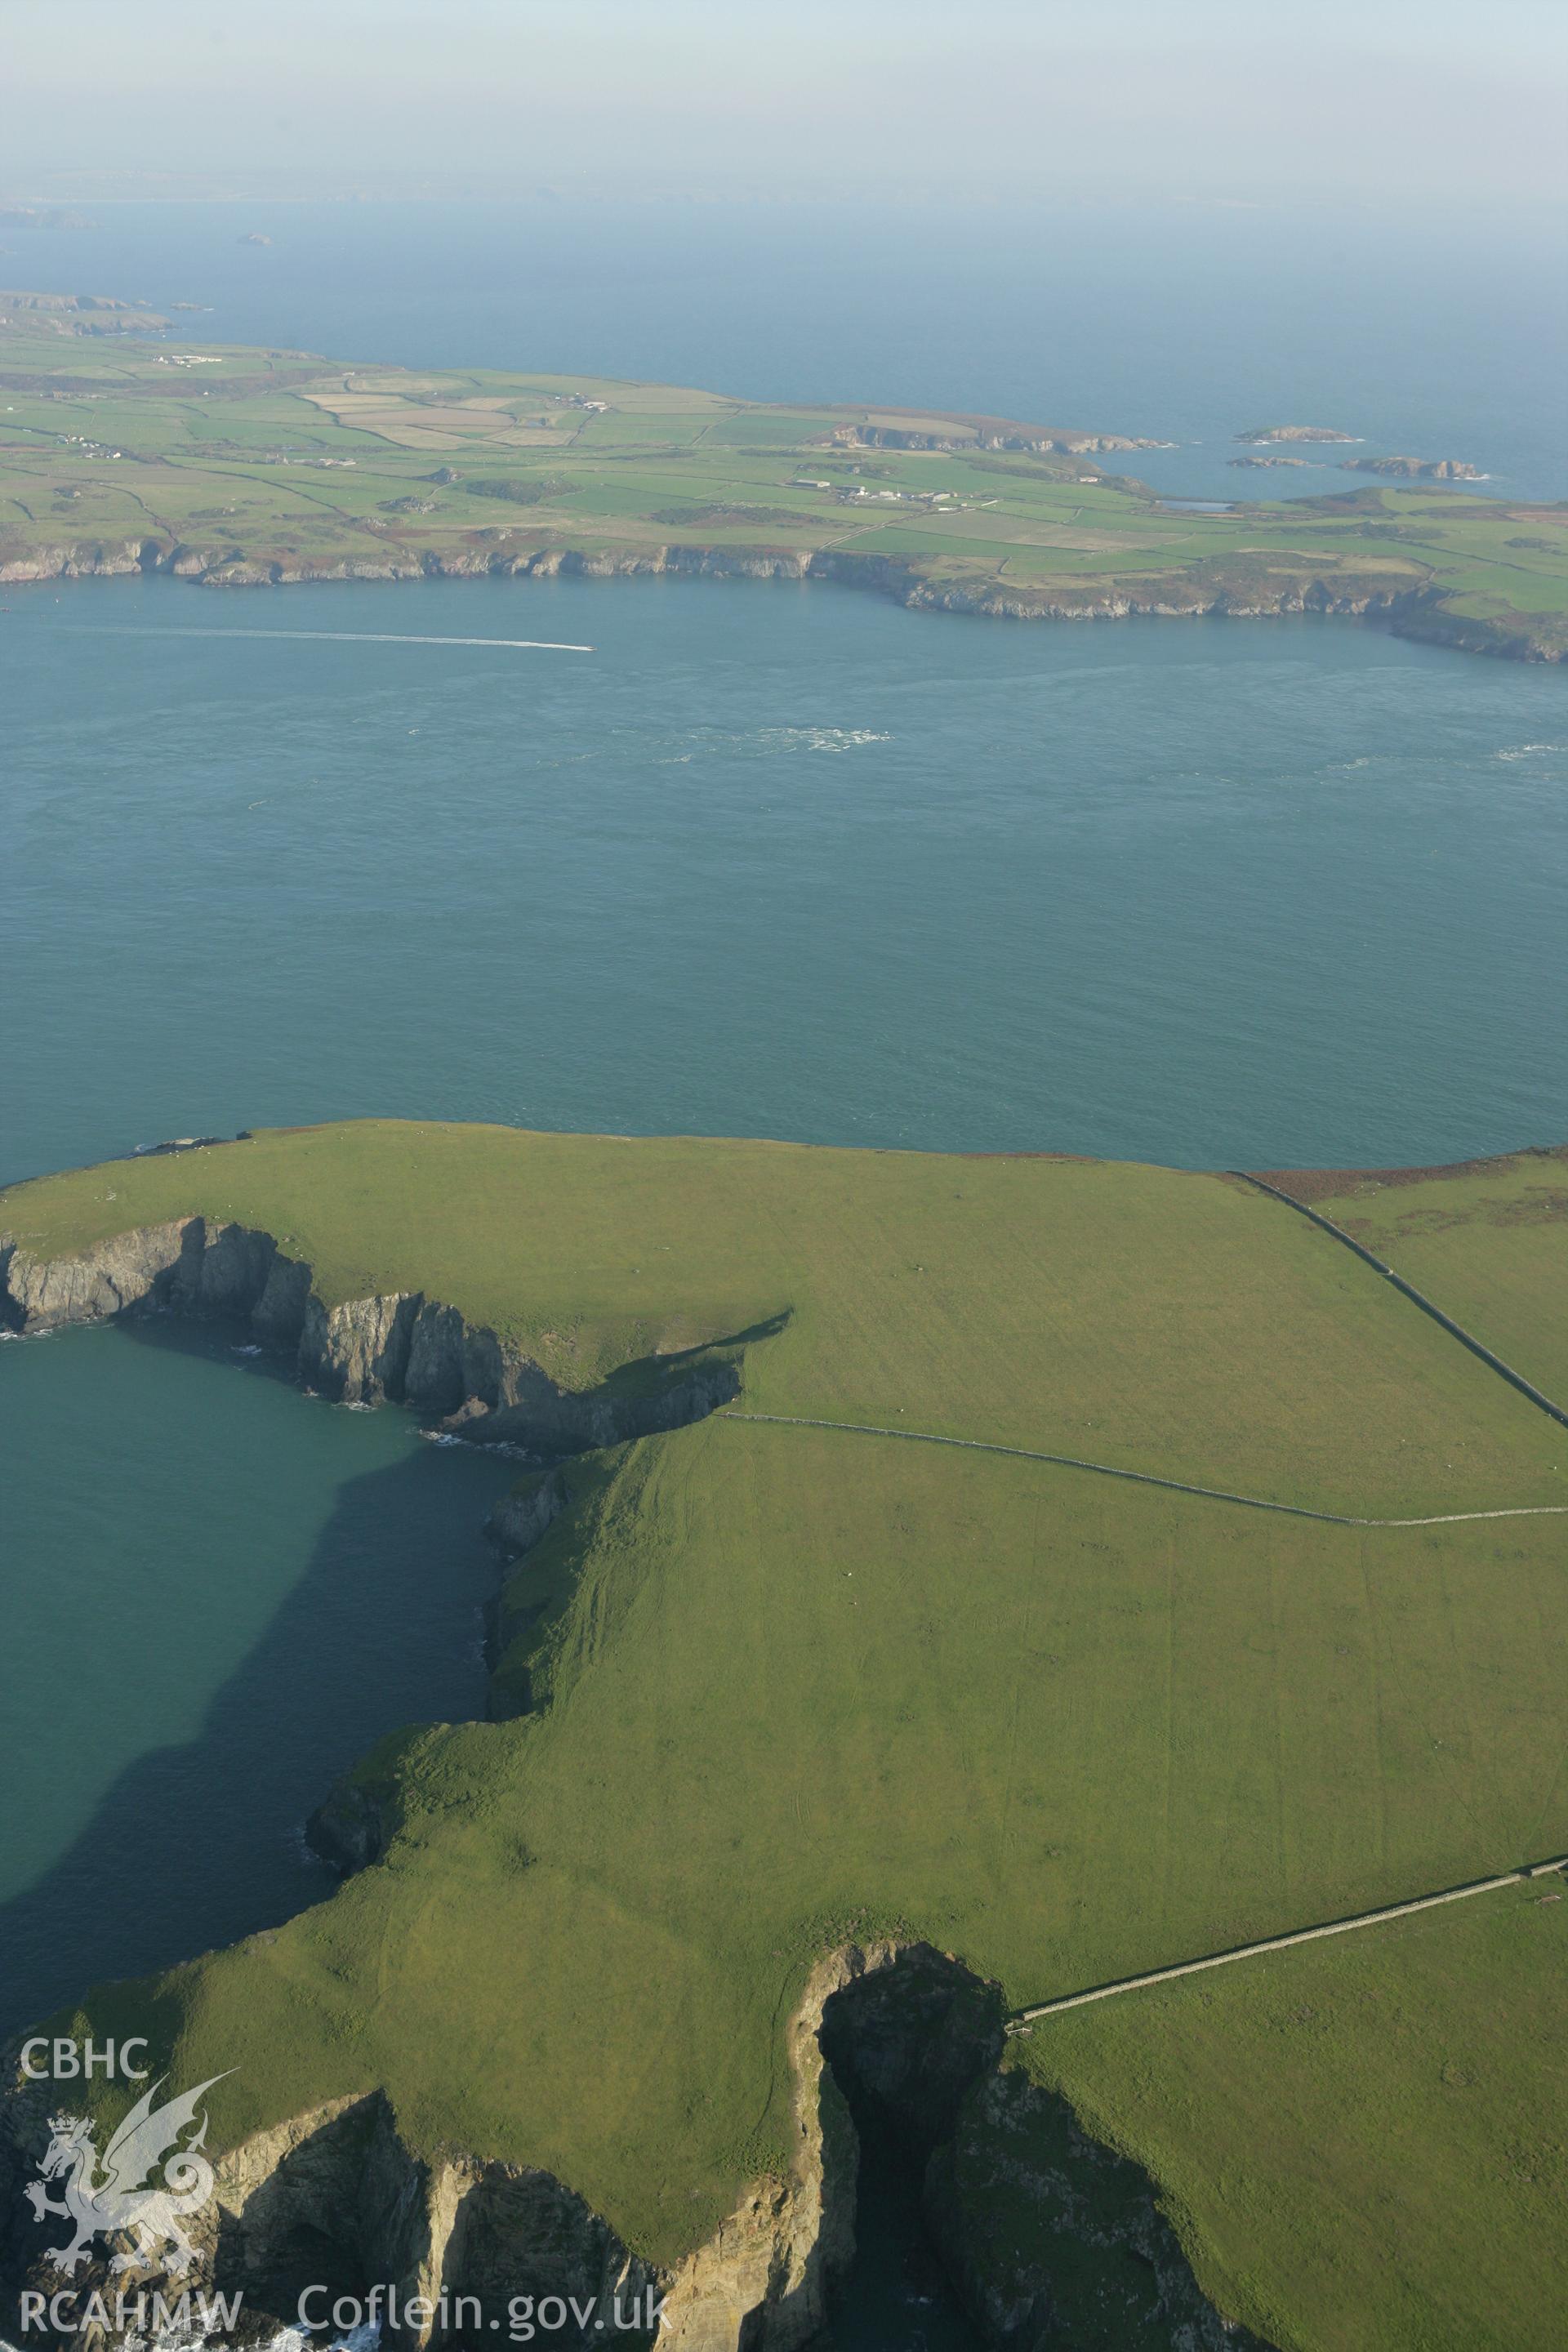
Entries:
{"x":238,"y":465}
{"x":794,"y":1687}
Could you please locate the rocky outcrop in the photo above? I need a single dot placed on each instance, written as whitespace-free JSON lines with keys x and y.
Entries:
{"x":357,"y":1351}
{"x":908,"y":2030}
{"x":682,"y":563}
{"x":82,"y":559}
{"x":338,"y":2200}
{"x":1218,"y":591}
{"x":1428,"y":619}
{"x":490,"y":555}
{"x":359,"y":1820}
{"x":1295,"y":433}
{"x":1415,"y":469}
{"x":401,"y":1347}
{"x":519,"y":1519}
{"x":72,"y":314}
{"x":330,"y":2198}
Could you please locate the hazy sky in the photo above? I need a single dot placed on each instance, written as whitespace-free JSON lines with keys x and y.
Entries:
{"x":1217,"y":101}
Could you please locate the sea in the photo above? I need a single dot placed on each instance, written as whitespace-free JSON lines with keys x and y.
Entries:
{"x":769,"y":860}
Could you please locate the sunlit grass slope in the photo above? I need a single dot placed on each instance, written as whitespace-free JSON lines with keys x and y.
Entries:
{"x":794,"y":1685}
{"x":805,"y":1688}
{"x":1178,"y":1324}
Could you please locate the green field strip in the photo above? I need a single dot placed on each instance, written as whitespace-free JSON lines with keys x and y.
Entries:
{"x":1148,"y":1479}
{"x":1381,"y":1916}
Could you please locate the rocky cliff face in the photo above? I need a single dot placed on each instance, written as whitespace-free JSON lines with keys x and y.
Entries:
{"x":336,"y":2199}
{"x":1215,"y":590}
{"x":760,"y":2283}
{"x":404,"y":1346}
{"x":217,"y":565}
{"x":519,"y":1520}
{"x":1050,"y":2238}
{"x":1053,"y":2238}
{"x":1415,"y":469}
{"x":1419,"y":614}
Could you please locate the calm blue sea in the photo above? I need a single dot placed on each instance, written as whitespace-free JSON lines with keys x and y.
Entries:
{"x":775,"y":859}
{"x":771,"y":859}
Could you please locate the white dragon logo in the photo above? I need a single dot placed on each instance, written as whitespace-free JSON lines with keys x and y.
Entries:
{"x":120,"y":2199}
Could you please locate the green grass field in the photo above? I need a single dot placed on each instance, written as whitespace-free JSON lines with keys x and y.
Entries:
{"x":277,"y":464}
{"x":1362,"y":2141}
{"x":794,"y":1685}
{"x":1182,"y":1324}
{"x":1478,"y":1240}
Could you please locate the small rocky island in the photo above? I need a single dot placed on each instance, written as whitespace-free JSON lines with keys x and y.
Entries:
{"x":1415,"y":469}
{"x":1295,"y":433}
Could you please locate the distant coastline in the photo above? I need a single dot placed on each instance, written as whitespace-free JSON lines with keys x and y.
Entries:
{"x":240,"y":467}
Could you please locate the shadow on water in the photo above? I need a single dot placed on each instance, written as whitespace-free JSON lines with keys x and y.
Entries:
{"x":903,"y":2042}
{"x":895,"y":2297}
{"x":200,"y":1841}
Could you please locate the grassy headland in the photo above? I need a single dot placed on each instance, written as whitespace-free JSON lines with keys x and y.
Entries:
{"x":234,"y":465}
{"x":797,"y":1684}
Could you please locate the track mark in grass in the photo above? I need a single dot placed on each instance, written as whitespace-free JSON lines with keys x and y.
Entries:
{"x":1024,"y":2018}
{"x":1148,"y":1477}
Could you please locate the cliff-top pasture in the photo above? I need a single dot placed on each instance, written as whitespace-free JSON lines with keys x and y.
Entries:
{"x":1176,"y":1324}
{"x":793,"y":1685}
